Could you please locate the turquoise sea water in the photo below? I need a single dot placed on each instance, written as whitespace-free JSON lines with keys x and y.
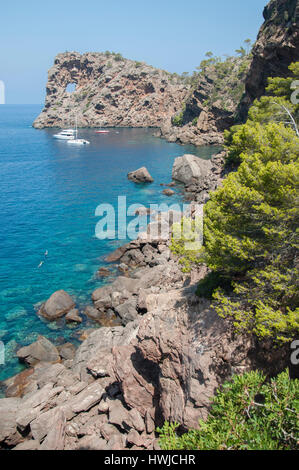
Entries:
{"x":49,"y":191}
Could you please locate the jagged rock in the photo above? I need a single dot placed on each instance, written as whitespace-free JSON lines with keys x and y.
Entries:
{"x":103,"y":339}
{"x":109,"y":92}
{"x":127,"y":311}
{"x":119,"y":415}
{"x":101,"y":292}
{"x":100,"y":368}
{"x":20,"y":384}
{"x":277,"y":46}
{"x":28,"y":445}
{"x":9,"y":434}
{"x":189,"y":167}
{"x":124,"y":283}
{"x":140,"y":176}
{"x":92,"y":313}
{"x":43,"y":424}
{"x":41,"y":350}
{"x":57,"y":305}
{"x":149,"y":423}
{"x":103,"y":407}
{"x":91,"y":443}
{"x":103,"y":303}
{"x":134,"y":438}
{"x":67,"y":351}
{"x":123,"y":268}
{"x":33,"y":405}
{"x":108,"y":430}
{"x":116,"y":442}
{"x":73,"y":316}
{"x":103,"y":272}
{"x":133,"y":258}
{"x":138,"y":389}
{"x":135,"y":420}
{"x":88,"y":398}
{"x":116,"y":254}
{"x":168,"y":192}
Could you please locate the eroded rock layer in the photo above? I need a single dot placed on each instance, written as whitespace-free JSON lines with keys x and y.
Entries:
{"x":110,"y":91}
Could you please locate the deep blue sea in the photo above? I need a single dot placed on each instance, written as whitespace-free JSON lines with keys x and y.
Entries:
{"x":49,"y":191}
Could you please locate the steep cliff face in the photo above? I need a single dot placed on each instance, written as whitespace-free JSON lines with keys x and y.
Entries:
{"x":211,"y":104}
{"x":277,"y":46}
{"x":110,"y":91}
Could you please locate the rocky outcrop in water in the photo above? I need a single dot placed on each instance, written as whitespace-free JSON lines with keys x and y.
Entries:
{"x":110,"y":91}
{"x":277,"y":46}
{"x":140,"y":176}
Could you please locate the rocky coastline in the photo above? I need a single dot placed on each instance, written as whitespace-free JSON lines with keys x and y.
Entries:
{"x":163,"y":359}
{"x":165,"y":351}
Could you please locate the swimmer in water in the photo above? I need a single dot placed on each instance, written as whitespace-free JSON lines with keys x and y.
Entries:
{"x":40,"y":264}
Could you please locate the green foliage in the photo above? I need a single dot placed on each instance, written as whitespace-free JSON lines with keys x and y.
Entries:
{"x":212,"y":281}
{"x":251,"y":227}
{"x":186,"y":242}
{"x":251,"y":232}
{"x":177,"y":120}
{"x":247,"y":414}
{"x":118,"y":57}
{"x":281,"y":91}
{"x":194,"y":122}
{"x":241,"y":51}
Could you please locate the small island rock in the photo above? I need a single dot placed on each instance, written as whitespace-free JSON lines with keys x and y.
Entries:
{"x":140,"y":176}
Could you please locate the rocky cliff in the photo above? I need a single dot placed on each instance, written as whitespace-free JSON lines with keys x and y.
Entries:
{"x":211,"y":104}
{"x":113,"y":91}
{"x":163,"y":362}
{"x":110,"y":91}
{"x":277,"y":46}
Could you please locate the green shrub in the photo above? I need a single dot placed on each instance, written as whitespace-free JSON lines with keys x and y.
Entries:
{"x":212,"y":281}
{"x":186,"y":242}
{"x":178,"y":120}
{"x":246,"y":414}
{"x":251,"y":226}
{"x":251,"y":233}
{"x":118,"y":57}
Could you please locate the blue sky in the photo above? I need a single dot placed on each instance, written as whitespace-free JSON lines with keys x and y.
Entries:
{"x":170,"y":34}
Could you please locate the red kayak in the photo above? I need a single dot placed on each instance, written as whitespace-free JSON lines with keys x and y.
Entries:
{"x":102,"y":132}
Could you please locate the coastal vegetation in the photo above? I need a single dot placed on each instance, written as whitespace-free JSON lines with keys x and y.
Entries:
{"x":248,"y":413}
{"x":251,"y":248}
{"x":226,"y":79}
{"x":251,"y":224}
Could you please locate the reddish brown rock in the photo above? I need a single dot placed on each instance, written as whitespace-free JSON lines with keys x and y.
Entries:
{"x":57,"y":305}
{"x":110,"y":91}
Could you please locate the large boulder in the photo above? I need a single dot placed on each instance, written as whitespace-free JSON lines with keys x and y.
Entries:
{"x":190,"y":168}
{"x":9,"y":435}
{"x":57,"y":305}
{"x":140,"y":176}
{"x":41,"y":350}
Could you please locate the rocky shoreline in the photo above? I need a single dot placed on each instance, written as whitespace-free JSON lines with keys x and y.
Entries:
{"x":163,"y":361}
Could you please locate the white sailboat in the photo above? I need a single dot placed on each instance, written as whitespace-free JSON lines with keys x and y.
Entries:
{"x":76,"y":141}
{"x":66,"y":134}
